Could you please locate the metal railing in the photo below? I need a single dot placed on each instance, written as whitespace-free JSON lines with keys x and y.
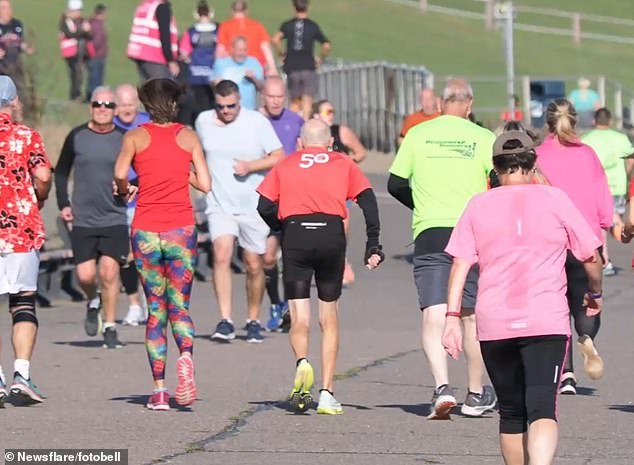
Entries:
{"x":373,"y":98}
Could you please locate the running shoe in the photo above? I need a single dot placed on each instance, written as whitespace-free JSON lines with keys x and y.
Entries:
{"x":275,"y":319}
{"x":25,"y":390}
{"x":592,"y":362}
{"x":476,"y":405}
{"x":609,"y":270}
{"x":301,"y":398}
{"x":186,"y":388}
{"x":135,"y":316}
{"x":110,"y":339}
{"x":93,"y":322}
{"x":159,"y":400}
{"x":254,"y":332}
{"x":442,"y":402}
{"x":225,"y":331}
{"x":568,"y":386}
{"x":328,"y":405}
{"x":286,"y":321}
{"x":3,"y":393}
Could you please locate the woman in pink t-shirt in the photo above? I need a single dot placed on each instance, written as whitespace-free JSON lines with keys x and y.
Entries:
{"x":519,"y":234}
{"x":575,"y":168}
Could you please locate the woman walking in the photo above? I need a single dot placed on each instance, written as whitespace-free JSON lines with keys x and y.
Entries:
{"x":575,"y":168}
{"x":163,"y":229}
{"x":519,"y":234}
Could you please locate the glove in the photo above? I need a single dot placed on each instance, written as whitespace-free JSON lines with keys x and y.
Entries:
{"x":373,"y":250}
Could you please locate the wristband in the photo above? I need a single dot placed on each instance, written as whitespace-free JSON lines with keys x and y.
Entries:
{"x":454,"y":314}
{"x":598,"y":295}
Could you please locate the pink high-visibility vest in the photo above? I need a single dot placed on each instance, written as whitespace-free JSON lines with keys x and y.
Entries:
{"x":67,"y":45}
{"x":145,"y":40}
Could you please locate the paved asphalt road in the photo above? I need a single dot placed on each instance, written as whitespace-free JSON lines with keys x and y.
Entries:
{"x":95,"y":397}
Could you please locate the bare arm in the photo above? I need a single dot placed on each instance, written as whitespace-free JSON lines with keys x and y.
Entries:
{"x":452,"y":336}
{"x":270,"y":59}
{"x":42,"y":181}
{"x":277,"y":43}
{"x":266,"y":163}
{"x":124,"y":161}
{"x":200,"y":176}
{"x":594,"y":270}
{"x":349,"y":138}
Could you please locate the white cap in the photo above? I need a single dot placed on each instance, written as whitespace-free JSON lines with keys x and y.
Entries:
{"x":75,"y":4}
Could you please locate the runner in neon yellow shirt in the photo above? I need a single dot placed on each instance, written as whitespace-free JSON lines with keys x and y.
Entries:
{"x":440,"y":165}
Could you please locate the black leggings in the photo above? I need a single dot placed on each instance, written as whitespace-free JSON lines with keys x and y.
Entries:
{"x":577,"y":288}
{"x":525,"y":373}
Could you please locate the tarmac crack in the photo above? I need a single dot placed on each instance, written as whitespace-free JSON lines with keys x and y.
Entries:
{"x":241,"y":420}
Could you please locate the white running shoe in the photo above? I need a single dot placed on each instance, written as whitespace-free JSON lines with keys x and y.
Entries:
{"x":328,"y":405}
{"x":135,"y":316}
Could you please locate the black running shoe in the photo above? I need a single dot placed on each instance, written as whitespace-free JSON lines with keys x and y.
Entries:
{"x":110,"y":339}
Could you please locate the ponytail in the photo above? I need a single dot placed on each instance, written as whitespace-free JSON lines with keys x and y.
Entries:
{"x":561,"y":118}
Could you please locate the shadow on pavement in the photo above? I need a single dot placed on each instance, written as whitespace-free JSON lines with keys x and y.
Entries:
{"x":586,"y":391}
{"x":626,"y":408}
{"x":93,"y":344}
{"x":141,"y":399}
{"x":409,"y":258}
{"x":420,"y":410}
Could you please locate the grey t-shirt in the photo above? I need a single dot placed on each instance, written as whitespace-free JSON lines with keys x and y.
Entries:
{"x":91,"y":156}
{"x":250,"y":137}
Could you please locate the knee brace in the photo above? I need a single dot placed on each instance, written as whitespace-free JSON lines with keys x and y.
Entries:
{"x":22,"y":308}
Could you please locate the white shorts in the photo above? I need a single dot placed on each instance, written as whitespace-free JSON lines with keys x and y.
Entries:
{"x":19,"y":272}
{"x":251,"y":230}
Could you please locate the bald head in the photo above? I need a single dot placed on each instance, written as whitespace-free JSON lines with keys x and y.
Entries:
{"x":315,"y":133}
{"x":457,"y":98}
{"x":127,"y":99}
{"x":274,"y":95}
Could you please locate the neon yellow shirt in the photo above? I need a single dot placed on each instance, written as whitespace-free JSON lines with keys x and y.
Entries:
{"x":447,"y":161}
{"x":611,"y":146}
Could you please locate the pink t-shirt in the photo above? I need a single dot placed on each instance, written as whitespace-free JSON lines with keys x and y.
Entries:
{"x":519,"y":235}
{"x":577,"y":171}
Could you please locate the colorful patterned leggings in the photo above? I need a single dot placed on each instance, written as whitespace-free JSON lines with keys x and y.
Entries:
{"x":166,"y":264}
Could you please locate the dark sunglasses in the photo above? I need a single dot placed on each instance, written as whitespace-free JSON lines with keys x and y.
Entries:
{"x":106,"y":104}
{"x":231,"y":106}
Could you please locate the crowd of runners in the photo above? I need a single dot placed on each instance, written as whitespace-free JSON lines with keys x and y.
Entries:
{"x":506,"y":254}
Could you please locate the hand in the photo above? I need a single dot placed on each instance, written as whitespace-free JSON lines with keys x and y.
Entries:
{"x":250,"y":75}
{"x":241,"y":167}
{"x":593,"y":306}
{"x":67,"y":214}
{"x":132,"y":192}
{"x":174,"y":68}
{"x":318,"y":62}
{"x":3,"y":53}
{"x":452,"y":337}
{"x":85,"y":26}
{"x":373,"y":257}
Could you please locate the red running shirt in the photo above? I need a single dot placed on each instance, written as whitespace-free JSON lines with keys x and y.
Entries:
{"x":163,"y":169}
{"x":314,"y":181}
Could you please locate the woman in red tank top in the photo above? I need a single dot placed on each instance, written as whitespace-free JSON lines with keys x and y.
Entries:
{"x":163,"y":229}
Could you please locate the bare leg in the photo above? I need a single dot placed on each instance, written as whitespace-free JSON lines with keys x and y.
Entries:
{"x":255,"y":283}
{"x":87,"y":277}
{"x":514,"y":448}
{"x":223,"y":250}
{"x":23,"y":336}
{"x":475,"y":364}
{"x":109,"y":276}
{"x":307,"y":106}
{"x":329,"y":322}
{"x":433,"y":328}
{"x":300,"y":324}
{"x":543,"y":436}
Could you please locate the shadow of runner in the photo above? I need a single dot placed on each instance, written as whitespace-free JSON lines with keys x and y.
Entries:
{"x":94,"y":344}
{"x":626,"y":408}
{"x":420,"y":410}
{"x":141,"y":399}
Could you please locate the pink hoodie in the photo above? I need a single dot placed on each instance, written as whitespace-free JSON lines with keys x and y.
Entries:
{"x":577,"y":171}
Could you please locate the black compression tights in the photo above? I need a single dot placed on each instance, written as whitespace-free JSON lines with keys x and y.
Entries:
{"x":130,"y":278}
{"x":577,"y":287}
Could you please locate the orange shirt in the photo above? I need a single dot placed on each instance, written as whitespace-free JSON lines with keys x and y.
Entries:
{"x":416,"y":118}
{"x":250,"y":29}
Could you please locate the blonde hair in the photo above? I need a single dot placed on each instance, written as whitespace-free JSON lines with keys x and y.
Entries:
{"x":561,"y":118}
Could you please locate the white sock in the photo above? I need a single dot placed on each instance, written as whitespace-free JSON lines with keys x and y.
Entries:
{"x":94,"y":303}
{"x":109,"y":325}
{"x":2,"y":379}
{"x":22,"y":366}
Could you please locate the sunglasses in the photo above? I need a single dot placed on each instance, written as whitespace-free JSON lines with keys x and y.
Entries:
{"x":105,"y":104}
{"x":328,"y":112}
{"x":231,"y":106}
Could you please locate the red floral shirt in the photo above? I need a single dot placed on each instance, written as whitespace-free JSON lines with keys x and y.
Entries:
{"x":21,"y":153}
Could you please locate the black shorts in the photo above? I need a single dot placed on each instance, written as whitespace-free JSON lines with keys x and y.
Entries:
{"x":431,"y":270}
{"x":313,"y":244}
{"x":525,"y":373}
{"x":92,"y":243}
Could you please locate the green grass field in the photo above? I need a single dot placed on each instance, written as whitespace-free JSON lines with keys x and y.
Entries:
{"x":367,"y":30}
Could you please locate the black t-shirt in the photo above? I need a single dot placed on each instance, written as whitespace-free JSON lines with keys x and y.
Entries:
{"x":11,"y":35}
{"x":301,"y":35}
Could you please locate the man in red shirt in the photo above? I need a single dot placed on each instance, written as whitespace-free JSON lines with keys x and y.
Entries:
{"x":258,"y":39}
{"x":25,"y":177}
{"x":305,"y":196}
{"x":429,"y":109}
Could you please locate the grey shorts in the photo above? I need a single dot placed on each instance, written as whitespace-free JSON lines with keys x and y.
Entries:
{"x":302,"y":83}
{"x":431,"y":274}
